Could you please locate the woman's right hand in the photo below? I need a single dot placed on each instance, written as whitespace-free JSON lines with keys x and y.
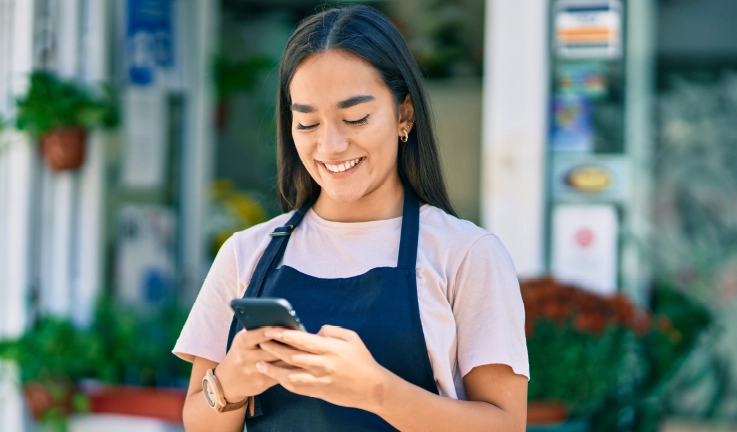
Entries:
{"x":237,"y":372}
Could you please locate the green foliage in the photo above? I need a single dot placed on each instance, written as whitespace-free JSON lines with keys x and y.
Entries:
{"x":51,"y":104}
{"x":233,"y":77}
{"x":638,"y":405}
{"x":578,"y":343}
{"x":124,"y":345}
{"x":444,"y":46}
{"x":52,"y":349}
{"x":575,"y":367}
{"x":137,"y":344}
{"x":603,"y":358}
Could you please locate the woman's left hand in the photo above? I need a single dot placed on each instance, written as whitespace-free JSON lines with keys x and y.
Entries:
{"x":334,"y":365}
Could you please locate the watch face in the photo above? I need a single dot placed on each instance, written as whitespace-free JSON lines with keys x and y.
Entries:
{"x":209,"y":392}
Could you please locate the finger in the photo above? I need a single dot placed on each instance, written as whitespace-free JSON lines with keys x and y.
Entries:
{"x":257,"y":355}
{"x":279,"y":350}
{"x":306,"y":379}
{"x":284,"y":365}
{"x":293,"y":357}
{"x":305,"y":341}
{"x":310,"y":361}
{"x":292,"y":379}
{"x":274,"y":371}
{"x":338,"y":333}
{"x":249,"y":339}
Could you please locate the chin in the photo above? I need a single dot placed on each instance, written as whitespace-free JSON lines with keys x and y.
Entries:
{"x":344,"y":196}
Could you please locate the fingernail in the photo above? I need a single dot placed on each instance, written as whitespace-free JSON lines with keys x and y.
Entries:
{"x":260,"y":366}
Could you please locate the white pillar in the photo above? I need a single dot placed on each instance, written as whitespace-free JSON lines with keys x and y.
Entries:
{"x":640,"y":73}
{"x":16,"y":188}
{"x":88,"y":261}
{"x":199,"y":139}
{"x":514,"y":129}
{"x":59,"y":218}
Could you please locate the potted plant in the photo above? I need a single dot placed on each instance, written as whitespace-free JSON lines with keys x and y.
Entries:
{"x":59,"y":113}
{"x":140,"y":376}
{"x":577,"y":343}
{"x":678,"y":324}
{"x":120,"y":364}
{"x":583,"y":346}
{"x":53,"y":356}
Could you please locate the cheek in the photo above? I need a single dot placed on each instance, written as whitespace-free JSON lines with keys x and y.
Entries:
{"x":303,"y":147}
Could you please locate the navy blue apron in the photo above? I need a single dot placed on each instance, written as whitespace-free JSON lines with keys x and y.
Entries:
{"x":380,"y":305}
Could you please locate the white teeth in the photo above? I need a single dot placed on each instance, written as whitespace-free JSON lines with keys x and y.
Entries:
{"x":342,"y":167}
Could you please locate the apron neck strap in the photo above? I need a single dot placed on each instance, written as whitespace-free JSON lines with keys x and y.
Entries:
{"x":407,"y":243}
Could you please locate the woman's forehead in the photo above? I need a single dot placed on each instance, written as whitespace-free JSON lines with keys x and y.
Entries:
{"x":334,"y":76}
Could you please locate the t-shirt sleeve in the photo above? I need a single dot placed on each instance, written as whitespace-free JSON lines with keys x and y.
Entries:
{"x":488,"y":309}
{"x":205,"y":333}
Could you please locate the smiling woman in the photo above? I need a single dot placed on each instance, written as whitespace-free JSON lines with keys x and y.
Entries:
{"x":414,"y":318}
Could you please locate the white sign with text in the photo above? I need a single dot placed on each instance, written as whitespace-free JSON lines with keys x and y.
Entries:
{"x":584,"y":246}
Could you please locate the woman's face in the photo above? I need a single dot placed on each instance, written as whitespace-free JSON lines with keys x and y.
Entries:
{"x":346,"y":126}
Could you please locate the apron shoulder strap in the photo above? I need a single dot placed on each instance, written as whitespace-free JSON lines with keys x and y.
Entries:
{"x":271,"y":257}
{"x":410,"y":231}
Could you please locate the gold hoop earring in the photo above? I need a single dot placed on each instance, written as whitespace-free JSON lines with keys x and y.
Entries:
{"x":405,"y":137}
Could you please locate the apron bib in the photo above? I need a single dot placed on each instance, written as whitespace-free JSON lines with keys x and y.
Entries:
{"x":380,"y":305}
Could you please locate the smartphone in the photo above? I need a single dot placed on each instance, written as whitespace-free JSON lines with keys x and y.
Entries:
{"x":265,"y":312}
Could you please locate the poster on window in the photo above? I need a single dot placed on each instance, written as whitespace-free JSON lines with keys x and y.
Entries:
{"x":145,"y":120}
{"x":572,"y":127}
{"x":584,"y":246}
{"x":588,"y":29}
{"x":145,"y":267}
{"x":149,"y":40}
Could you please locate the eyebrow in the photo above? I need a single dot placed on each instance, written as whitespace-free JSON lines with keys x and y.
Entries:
{"x":355,"y":100}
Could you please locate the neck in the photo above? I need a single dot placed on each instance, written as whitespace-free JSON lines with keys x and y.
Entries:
{"x":385,"y":202}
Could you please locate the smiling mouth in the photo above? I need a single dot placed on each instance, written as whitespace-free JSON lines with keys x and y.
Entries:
{"x":342,"y":167}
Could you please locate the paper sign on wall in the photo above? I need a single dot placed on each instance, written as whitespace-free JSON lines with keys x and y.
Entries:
{"x":145,"y":119}
{"x":584,"y":249}
{"x":590,"y":29}
{"x":145,"y":264}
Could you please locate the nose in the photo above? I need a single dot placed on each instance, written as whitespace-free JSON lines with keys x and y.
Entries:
{"x":332,"y":140}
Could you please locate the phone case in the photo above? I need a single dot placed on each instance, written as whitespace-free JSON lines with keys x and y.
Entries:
{"x":265,"y":312}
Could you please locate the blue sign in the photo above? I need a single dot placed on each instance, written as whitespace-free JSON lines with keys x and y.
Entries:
{"x":572,"y":125}
{"x":149,"y":39}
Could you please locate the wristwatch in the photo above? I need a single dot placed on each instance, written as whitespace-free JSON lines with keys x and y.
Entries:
{"x":214,"y":394}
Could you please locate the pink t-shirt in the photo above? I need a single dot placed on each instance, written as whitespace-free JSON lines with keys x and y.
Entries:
{"x":470,"y":303}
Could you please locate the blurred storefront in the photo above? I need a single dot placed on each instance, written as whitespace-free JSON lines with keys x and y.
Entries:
{"x":552,"y":118}
{"x":608,"y":153}
{"x":129,"y":222}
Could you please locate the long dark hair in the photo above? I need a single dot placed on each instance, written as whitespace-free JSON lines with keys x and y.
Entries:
{"x":368,"y":34}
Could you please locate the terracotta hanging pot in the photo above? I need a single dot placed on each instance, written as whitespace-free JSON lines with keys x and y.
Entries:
{"x":64,"y":149}
{"x":41,"y":397}
{"x":548,"y":413}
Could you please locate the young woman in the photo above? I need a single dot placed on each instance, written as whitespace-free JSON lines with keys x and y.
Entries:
{"x":414,"y":317}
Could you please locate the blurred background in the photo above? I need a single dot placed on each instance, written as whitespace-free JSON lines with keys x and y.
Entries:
{"x":596,"y":138}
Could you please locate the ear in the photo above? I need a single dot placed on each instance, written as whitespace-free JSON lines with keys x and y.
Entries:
{"x":406,"y":116}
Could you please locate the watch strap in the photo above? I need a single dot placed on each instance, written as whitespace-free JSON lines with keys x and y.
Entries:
{"x":236,"y":405}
